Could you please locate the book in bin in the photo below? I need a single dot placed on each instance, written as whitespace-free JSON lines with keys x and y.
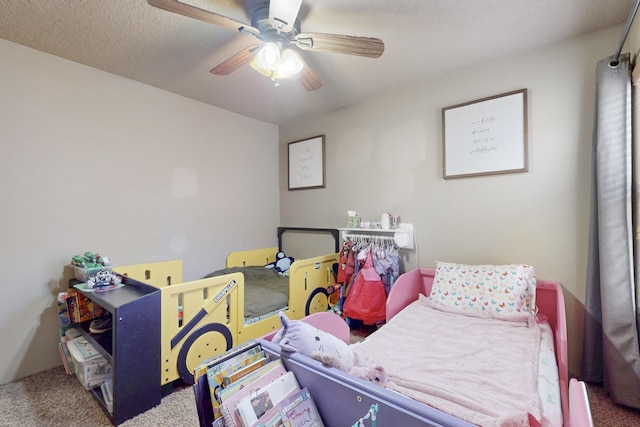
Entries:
{"x":260,"y":400}
{"x":217,"y":367}
{"x":298,"y":409}
{"x":248,"y":387}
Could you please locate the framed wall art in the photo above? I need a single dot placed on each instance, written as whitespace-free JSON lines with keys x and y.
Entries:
{"x":486,"y":136}
{"x":307,"y":163}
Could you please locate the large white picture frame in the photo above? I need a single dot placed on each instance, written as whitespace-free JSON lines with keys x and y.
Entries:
{"x":486,"y":136}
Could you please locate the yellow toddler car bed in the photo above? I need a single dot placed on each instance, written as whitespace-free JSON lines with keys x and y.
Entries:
{"x":205,"y":317}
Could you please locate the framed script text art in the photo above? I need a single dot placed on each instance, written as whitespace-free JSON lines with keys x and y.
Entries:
{"x":486,"y":136}
{"x":306,"y":163}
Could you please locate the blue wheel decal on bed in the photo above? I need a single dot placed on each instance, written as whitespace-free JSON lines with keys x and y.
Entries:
{"x":185,"y":374}
{"x":313,"y":294}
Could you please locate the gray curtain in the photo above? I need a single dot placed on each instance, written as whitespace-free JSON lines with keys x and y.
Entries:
{"x":611,"y":355}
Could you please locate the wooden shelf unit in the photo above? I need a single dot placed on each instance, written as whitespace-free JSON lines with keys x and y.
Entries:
{"x":132,"y":348}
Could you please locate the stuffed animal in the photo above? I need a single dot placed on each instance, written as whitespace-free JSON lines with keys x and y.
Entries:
{"x":375,"y":373}
{"x":301,"y":337}
{"x":282,"y":263}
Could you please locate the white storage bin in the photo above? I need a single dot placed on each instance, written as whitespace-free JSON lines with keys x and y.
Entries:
{"x":91,"y":368}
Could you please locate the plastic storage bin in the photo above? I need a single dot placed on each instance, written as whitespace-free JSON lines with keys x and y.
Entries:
{"x":90,"y":367}
{"x":82,"y":274}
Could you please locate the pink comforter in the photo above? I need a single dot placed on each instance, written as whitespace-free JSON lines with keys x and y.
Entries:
{"x":479,"y":369}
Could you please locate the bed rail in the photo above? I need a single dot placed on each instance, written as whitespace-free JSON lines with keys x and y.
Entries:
{"x":158,"y":274}
{"x":262,"y":256}
{"x":333,"y":231}
{"x":199,"y":318}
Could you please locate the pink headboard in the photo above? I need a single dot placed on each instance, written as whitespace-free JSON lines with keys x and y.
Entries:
{"x":549,"y":299}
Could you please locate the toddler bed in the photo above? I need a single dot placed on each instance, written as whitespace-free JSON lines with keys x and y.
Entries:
{"x":344,"y":399}
{"x":205,"y":317}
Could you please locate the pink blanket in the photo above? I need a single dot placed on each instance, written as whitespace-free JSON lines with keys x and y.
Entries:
{"x":479,"y":369}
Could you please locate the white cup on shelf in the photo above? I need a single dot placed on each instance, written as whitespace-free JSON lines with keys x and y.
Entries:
{"x":385,"y":221}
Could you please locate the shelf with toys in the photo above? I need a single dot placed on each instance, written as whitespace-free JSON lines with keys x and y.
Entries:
{"x":129,"y":341}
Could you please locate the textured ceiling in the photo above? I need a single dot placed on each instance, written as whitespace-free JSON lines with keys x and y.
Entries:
{"x":423,"y":39}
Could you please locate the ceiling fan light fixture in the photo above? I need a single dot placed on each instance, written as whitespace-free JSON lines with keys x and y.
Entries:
{"x":276,"y":64}
{"x":291,"y":63}
{"x":268,"y":57}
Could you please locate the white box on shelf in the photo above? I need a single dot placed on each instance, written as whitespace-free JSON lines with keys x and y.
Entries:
{"x":91,"y":368}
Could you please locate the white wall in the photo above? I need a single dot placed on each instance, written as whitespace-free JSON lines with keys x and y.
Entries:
{"x":92,"y":161}
{"x":385,"y":155}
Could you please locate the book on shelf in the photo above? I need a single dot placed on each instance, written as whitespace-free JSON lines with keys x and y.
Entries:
{"x":253,"y":406}
{"x":242,"y":372}
{"x":205,"y":400}
{"x":271,"y":418}
{"x":63,"y":309}
{"x":299,"y":409}
{"x":217,"y":372}
{"x":202,"y":368}
{"x":66,"y":358}
{"x":231,"y":396}
{"x":243,"y":382}
{"x":74,"y":307}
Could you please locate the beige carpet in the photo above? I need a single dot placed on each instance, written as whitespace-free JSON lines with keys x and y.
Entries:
{"x":53,"y":398}
{"x":606,"y":413}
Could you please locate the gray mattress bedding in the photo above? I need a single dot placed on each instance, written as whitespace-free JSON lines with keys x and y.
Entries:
{"x":264,"y":289}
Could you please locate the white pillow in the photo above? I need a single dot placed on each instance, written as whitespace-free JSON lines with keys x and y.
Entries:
{"x":492,"y":289}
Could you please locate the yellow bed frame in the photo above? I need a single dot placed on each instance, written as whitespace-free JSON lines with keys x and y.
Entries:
{"x":205,"y":317}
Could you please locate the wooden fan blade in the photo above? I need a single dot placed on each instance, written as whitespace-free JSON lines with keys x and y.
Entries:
{"x":336,"y":43}
{"x":190,"y":11}
{"x":283,"y":14}
{"x":309,"y":78}
{"x":236,"y":61}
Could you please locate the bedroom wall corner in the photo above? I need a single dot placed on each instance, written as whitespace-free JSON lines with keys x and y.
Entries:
{"x":385,"y":155}
{"x":93,"y":161}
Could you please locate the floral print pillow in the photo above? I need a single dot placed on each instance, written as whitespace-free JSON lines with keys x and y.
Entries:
{"x":492,"y":289}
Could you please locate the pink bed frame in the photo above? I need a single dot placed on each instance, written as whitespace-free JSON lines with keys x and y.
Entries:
{"x":550,"y":302}
{"x":341,"y":396}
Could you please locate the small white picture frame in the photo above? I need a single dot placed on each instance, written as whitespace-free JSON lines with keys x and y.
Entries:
{"x":307,"y":163}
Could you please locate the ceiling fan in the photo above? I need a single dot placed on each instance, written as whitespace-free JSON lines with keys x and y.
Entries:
{"x":279,"y":37}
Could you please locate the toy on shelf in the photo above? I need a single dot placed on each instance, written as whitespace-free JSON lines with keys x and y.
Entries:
{"x":90,"y":260}
{"x":88,"y":264}
{"x":104,"y":280}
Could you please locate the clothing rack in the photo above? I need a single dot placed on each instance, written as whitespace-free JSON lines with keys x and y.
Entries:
{"x":370,"y":238}
{"x":616,"y":57}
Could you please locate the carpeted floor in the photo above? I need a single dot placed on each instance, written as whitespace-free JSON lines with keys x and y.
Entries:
{"x":55,"y":399}
{"x":606,"y":413}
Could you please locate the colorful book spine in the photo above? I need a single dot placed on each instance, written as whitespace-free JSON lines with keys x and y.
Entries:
{"x":243,"y":372}
{"x":299,"y":410}
{"x":268,"y":374}
{"x":201,"y":384}
{"x":225,"y":366}
{"x":259,"y":401}
{"x":237,"y":386}
{"x":201,"y":369}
